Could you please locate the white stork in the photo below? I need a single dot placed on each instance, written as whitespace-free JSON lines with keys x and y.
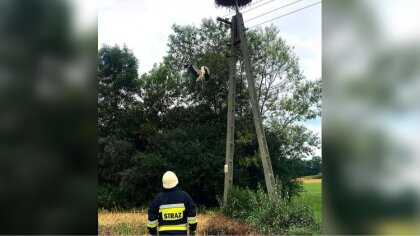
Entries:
{"x":202,"y":75}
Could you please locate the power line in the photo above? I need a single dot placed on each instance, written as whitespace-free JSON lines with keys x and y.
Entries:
{"x":284,"y":15}
{"x":250,"y":8}
{"x":252,"y":4}
{"x":244,"y":7}
{"x":274,"y":10}
{"x":257,"y":7}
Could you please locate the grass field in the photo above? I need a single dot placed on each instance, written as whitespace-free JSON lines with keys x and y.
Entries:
{"x":312,"y":196}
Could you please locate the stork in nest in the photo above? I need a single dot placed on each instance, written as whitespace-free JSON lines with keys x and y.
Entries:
{"x":202,"y":75}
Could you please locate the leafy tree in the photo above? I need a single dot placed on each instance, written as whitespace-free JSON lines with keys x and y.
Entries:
{"x":313,"y":166}
{"x":119,"y":114}
{"x":117,"y":87}
{"x":274,"y":65}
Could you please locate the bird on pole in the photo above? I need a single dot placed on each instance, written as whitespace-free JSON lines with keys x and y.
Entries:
{"x":202,"y":74}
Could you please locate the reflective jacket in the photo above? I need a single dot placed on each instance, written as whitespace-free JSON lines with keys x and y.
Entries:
{"x":171,"y":212}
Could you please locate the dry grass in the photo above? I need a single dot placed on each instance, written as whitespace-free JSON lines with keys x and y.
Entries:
{"x":108,"y":219}
{"x":203,"y":221}
{"x":113,"y":223}
{"x":220,"y":224}
{"x":310,"y":181}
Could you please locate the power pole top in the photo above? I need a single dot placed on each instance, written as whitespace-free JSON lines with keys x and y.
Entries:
{"x":232,"y":3}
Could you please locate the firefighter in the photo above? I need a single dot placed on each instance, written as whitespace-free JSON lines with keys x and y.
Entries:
{"x":172,"y":211}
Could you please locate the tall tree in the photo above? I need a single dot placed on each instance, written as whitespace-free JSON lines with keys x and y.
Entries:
{"x":117,"y":87}
{"x":117,"y":107}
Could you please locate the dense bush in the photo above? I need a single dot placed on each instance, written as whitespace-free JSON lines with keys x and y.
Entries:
{"x":239,"y":203}
{"x":270,"y":214}
{"x":106,"y":196}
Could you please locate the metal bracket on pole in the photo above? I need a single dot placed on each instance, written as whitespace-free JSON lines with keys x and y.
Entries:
{"x":227,"y":22}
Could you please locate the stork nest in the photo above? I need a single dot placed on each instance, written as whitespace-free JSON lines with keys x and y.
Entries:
{"x":232,"y":3}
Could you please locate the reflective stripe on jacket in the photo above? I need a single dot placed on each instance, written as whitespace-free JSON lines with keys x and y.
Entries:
{"x":172,"y":211}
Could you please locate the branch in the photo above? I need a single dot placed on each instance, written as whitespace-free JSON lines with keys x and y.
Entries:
{"x":270,"y":84}
{"x":266,"y":96}
{"x":262,"y":78}
{"x":296,"y":116}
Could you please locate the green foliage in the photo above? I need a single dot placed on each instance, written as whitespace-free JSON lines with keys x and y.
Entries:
{"x":303,"y":231}
{"x":240,"y":203}
{"x":163,"y":120}
{"x":114,"y":157}
{"x":142,"y":181}
{"x":270,"y":214}
{"x":313,"y":167}
{"x":107,"y":194}
{"x":117,"y":86}
{"x":311,"y":195}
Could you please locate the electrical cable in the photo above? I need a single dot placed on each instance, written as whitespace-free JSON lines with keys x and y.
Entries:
{"x":274,"y":10}
{"x":289,"y":13}
{"x":232,"y":13}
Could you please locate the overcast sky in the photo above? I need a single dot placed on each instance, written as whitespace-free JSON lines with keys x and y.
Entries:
{"x":144,"y":26}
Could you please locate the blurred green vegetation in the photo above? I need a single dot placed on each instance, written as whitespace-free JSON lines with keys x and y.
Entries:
{"x":371,"y":115}
{"x":48,"y":132}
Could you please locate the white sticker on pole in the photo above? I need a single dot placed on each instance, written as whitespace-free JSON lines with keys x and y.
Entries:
{"x":226,"y":169}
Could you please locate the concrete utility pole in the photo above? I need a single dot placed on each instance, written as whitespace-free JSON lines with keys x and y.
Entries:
{"x":238,"y":39}
{"x":262,"y":142}
{"x":230,"y":136}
